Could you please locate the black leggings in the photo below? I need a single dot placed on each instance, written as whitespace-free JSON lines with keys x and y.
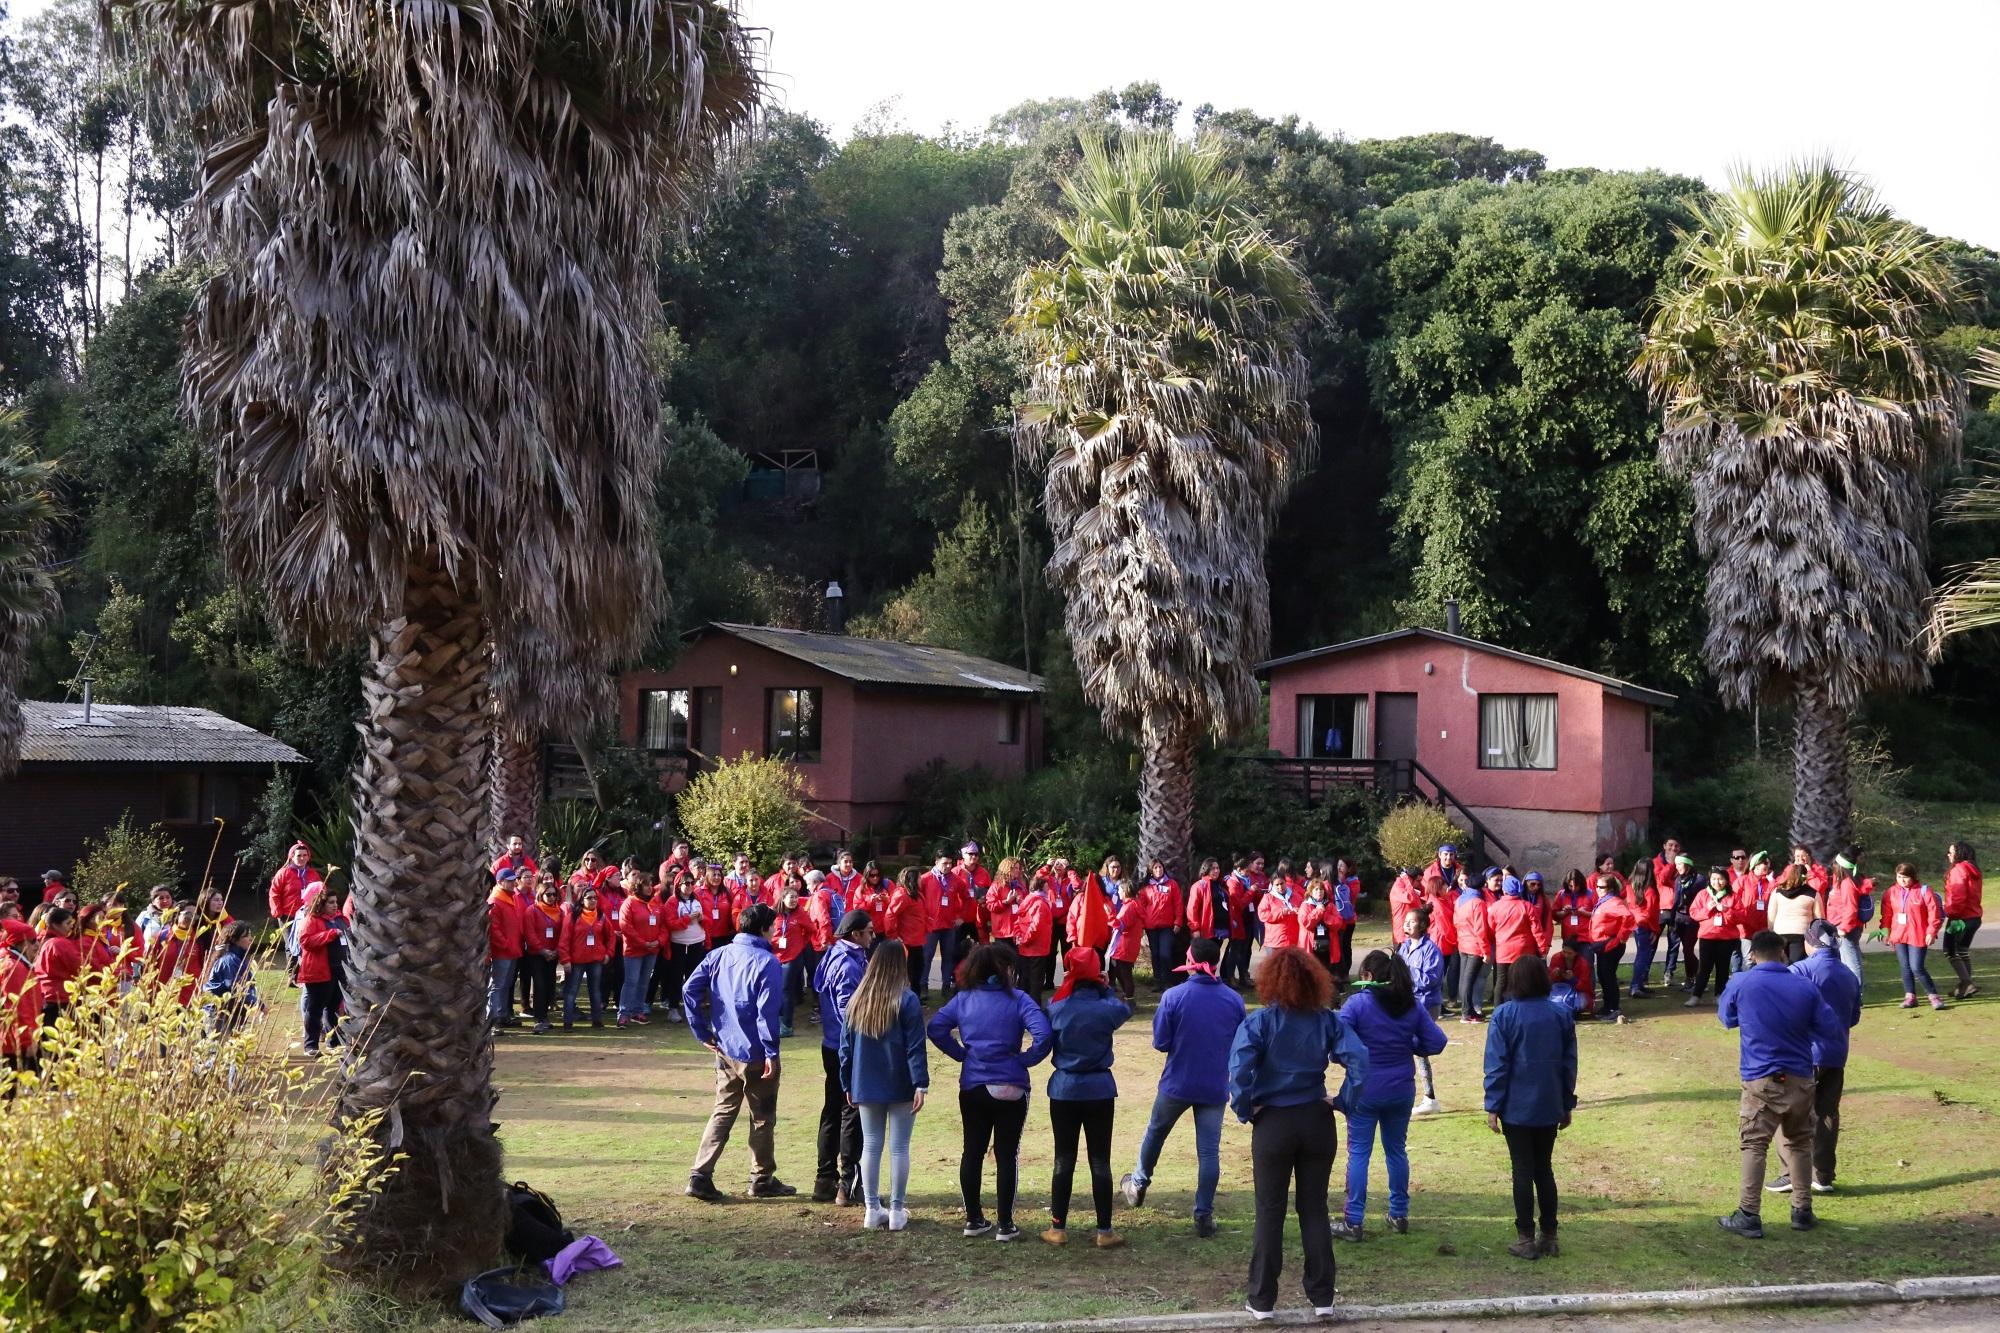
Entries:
{"x":540,"y":973}
{"x":1607,"y":978}
{"x":987,"y":1119}
{"x":1795,"y":948}
{"x":1094,"y":1119}
{"x":680,"y":963}
{"x":1345,"y":967}
{"x":1716,"y":956}
{"x":1471,"y":971}
{"x":1121,"y":977}
{"x":916,"y":961}
{"x":1532,"y":1150}
{"x":1960,"y":945}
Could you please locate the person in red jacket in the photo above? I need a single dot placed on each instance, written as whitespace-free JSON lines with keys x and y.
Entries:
{"x":322,"y":937}
{"x":1962,"y":914}
{"x":541,"y":947}
{"x":1278,"y":910}
{"x":872,"y":896}
{"x":1753,"y":894}
{"x":1128,"y":936}
{"x":1244,"y":927}
{"x":1207,"y":915}
{"x":1850,"y":905}
{"x":1162,"y":901}
{"x":20,"y":1014}
{"x":1405,"y":896}
{"x":1442,"y":899}
{"x":503,"y":949}
{"x":1643,"y":897}
{"x":584,"y":947}
{"x":1475,"y":949}
{"x":1090,"y":911}
{"x":1914,"y":918}
{"x":1667,"y":869}
{"x":174,"y":960}
{"x":58,"y":962}
{"x":944,"y":895}
{"x":825,"y":905}
{"x":974,"y":880}
{"x":289,"y":886}
{"x":1003,"y":900}
{"x":789,"y":941}
{"x":845,"y":880}
{"x":1611,"y":925}
{"x":1319,"y":925}
{"x":1816,"y":876}
{"x":516,"y":859}
{"x":774,"y":882}
{"x":684,"y":930}
{"x":641,"y":927}
{"x":909,"y":921}
{"x":1034,"y":937}
{"x":1718,"y":917}
{"x":678,"y":866}
{"x":1518,"y":931}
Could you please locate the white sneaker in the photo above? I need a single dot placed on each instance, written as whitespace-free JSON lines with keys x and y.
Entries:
{"x":899,"y":1217}
{"x":1261,"y":1316}
{"x":875,"y":1218}
{"x":1322,"y":1312}
{"x":1428,"y":1106}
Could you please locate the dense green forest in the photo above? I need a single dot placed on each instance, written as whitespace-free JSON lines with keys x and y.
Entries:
{"x":839,"y":377}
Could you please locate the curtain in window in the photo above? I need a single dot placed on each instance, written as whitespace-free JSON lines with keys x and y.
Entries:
{"x":1308,"y":723}
{"x":1538,"y":731}
{"x":1517,"y":730}
{"x":1360,"y":747}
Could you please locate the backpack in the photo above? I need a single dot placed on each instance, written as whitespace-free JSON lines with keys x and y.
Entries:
{"x":535,"y":1230}
{"x":1865,"y":901}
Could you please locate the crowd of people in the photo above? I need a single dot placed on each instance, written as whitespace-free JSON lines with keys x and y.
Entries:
{"x":998,"y":970}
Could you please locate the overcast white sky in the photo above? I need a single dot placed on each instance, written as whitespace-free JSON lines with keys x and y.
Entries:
{"x":1900,"y":90}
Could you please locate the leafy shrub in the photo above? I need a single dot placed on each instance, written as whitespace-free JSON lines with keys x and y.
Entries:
{"x":935,"y":797}
{"x":162,"y":1174}
{"x":126,"y":856}
{"x":1749,"y":802}
{"x":1410,"y":834}
{"x":749,"y":804}
{"x":270,"y":826}
{"x":1240,"y":808}
{"x":330,"y":833}
{"x":569,"y":829}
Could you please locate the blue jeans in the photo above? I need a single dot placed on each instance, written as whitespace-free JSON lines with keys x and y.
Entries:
{"x":579,"y":972}
{"x":885,"y":1124}
{"x":795,"y":975}
{"x":1207,"y":1146}
{"x":1392,"y":1118}
{"x":941,"y":945}
{"x":638,"y":976}
{"x":1644,"y":942}
{"x":500,"y":988}
{"x":1910,"y":958}
{"x":1850,"y":951}
{"x":1673,"y":951}
{"x":1162,"y":940}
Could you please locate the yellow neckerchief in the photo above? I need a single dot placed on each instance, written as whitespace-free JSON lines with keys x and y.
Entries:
{"x":182,"y":933}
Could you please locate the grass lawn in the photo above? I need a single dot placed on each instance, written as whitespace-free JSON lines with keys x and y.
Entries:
{"x":606,"y":1123}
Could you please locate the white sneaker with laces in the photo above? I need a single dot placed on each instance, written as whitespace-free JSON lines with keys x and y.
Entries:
{"x":1261,"y":1316}
{"x":899,"y":1217}
{"x":1322,"y":1312}
{"x":875,"y":1218}
{"x":1428,"y":1106}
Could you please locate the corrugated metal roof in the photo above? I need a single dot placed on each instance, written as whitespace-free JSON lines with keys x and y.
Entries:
{"x":56,"y":733}
{"x":886,"y":662}
{"x":1624,"y":689}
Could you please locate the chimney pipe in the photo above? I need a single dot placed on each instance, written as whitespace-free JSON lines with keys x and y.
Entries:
{"x":1451,"y":615}
{"x":86,"y":699}
{"x":836,"y":609}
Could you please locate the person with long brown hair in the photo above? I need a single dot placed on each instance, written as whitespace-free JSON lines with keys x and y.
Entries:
{"x":885,"y":1072}
{"x":1277,"y":1085}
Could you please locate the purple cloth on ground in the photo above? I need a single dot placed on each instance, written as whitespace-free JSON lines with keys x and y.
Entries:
{"x":586,"y":1254}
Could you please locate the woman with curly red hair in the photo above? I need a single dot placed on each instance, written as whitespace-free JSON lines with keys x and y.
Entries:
{"x":1277,"y":1084}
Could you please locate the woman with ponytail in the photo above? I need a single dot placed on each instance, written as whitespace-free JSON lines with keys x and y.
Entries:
{"x":1385,"y":1014}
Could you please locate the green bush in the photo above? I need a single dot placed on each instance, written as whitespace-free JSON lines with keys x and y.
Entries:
{"x":1240,"y":808}
{"x":569,"y":829}
{"x":749,"y":804}
{"x":1086,"y":807}
{"x":271,"y":824}
{"x":1410,"y":834}
{"x":161,"y":1174}
{"x":1749,"y":802}
{"x":126,"y":863}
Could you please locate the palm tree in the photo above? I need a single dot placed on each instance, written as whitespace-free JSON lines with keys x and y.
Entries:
{"x":1802,"y":401}
{"x":27,"y":592}
{"x":1972,"y":599}
{"x":422,"y":362}
{"x":1167,"y":406}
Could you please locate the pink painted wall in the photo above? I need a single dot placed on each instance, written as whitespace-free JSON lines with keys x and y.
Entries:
{"x":1448,"y":723}
{"x":869,"y":738}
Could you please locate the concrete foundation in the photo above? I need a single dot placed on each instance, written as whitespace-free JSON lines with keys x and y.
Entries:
{"x":1557,"y":841}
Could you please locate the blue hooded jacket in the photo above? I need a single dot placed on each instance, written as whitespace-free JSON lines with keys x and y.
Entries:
{"x":1531,"y":1063}
{"x":1426,"y":964}
{"x":1195,"y":1025}
{"x":982,"y":1030}
{"x":1393,"y":1041}
{"x":1279,"y":1058}
{"x":839,"y":976}
{"x":1084,"y":1022}
{"x":748,"y":984}
{"x":891,"y":1067}
{"x":1841,"y":990}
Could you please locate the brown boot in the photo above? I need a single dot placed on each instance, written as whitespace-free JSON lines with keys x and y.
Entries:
{"x":1547,"y":1245}
{"x":1526,"y":1247}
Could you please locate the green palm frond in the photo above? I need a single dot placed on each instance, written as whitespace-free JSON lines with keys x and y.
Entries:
{"x":1971,"y":599}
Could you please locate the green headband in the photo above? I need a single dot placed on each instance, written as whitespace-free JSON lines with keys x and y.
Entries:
{"x":1755,"y":857}
{"x":1845,"y":864}
{"x":1683,"y":861}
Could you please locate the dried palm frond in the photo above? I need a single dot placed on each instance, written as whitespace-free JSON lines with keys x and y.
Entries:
{"x":27,"y":590}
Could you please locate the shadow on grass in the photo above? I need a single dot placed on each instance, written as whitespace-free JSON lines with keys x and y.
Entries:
{"x":1918,"y":1186}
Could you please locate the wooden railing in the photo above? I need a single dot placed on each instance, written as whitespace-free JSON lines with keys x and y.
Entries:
{"x":1312,"y":779}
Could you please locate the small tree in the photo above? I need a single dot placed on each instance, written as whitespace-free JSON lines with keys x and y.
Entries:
{"x":1410,"y":834}
{"x":130,"y":856}
{"x":751,"y":805}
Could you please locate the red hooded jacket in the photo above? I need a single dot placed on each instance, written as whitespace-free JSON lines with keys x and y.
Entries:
{"x":584,"y":940}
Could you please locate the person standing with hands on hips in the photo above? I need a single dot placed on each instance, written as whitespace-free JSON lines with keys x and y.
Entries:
{"x":1530,"y":1095}
{"x":1841,"y":990}
{"x":732,"y":1008}
{"x":1782,"y":1020}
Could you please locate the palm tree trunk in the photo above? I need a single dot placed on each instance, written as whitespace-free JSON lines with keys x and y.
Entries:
{"x":1166,"y":798}
{"x":515,"y":801}
{"x":416,"y":974}
{"x":1822,"y":802}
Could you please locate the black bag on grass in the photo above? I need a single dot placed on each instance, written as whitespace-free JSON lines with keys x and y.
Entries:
{"x":503,"y":1296}
{"x":535,"y":1230}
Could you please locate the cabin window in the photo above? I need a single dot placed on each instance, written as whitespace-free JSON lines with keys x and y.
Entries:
{"x":791,"y":727}
{"x":666,"y":720}
{"x":1010,"y":722}
{"x":1517,"y":731}
{"x":1333,"y":726}
{"x":181,"y":798}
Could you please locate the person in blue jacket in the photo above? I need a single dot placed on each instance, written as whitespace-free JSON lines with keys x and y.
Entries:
{"x":838,"y":975}
{"x":1195,"y":1025}
{"x":1277,"y":1085}
{"x":1084,"y":1014}
{"x":1385,"y":1014}
{"x":982,"y":1028}
{"x":746,"y":984}
{"x":884,"y":1073}
{"x":1826,"y":968}
{"x":1530,"y":1093}
{"x":1419,"y":953}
